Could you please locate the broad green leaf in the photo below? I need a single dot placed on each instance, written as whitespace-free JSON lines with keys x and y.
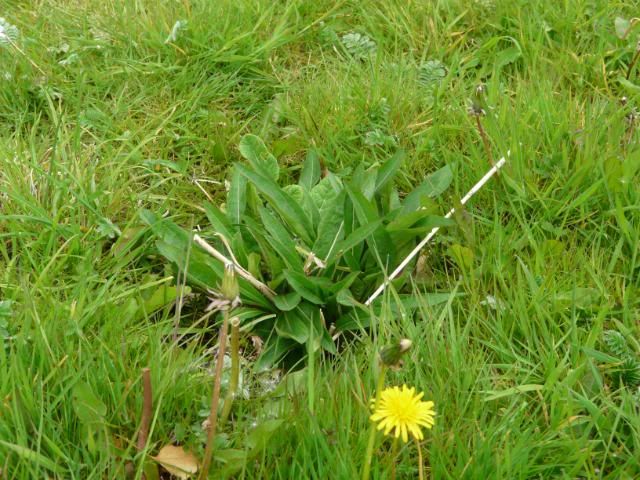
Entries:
{"x":203,"y":270}
{"x":388,"y":170}
{"x":630,"y":87}
{"x":380,"y":242}
{"x":622,"y":27}
{"x":364,"y":181}
{"x":294,"y":325}
{"x":304,"y":286}
{"x":432,"y":186}
{"x":237,"y":197}
{"x":463,"y":256}
{"x":331,"y":226}
{"x":259,"y":437}
{"x":356,"y":237}
{"x":287,"y":301}
{"x":345,"y":297}
{"x":275,"y":348}
{"x":232,"y":461}
{"x":282,"y":203}
{"x":346,"y":282}
{"x":310,"y":173}
{"x":354,"y":320}
{"x":296,"y":192}
{"x":253,"y":149}
{"x":5,"y":308}
{"x":329,"y":187}
{"x":219,"y":221}
{"x":420,"y":219}
{"x":280,"y":240}
{"x":163,"y":296}
{"x":505,"y":57}
{"x":88,"y":407}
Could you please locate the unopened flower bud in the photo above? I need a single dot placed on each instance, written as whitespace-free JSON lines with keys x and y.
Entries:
{"x":230,"y":289}
{"x":391,"y":355}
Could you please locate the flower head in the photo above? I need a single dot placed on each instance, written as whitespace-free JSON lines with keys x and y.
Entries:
{"x":404,"y":411}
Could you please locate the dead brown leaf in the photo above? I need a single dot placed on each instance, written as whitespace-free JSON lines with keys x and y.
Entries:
{"x":177,"y":461}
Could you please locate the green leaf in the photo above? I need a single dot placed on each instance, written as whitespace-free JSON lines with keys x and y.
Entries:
{"x":432,"y":186}
{"x":304,"y":286}
{"x":419,"y":219}
{"x":34,"y":457}
{"x":345,"y":297}
{"x":259,"y":437}
{"x":219,"y":221}
{"x":310,"y":173}
{"x":380,"y":242}
{"x":282,"y":203}
{"x":275,"y":348}
{"x":5,"y":308}
{"x":631,"y":87}
{"x":163,"y":296}
{"x":280,"y":240}
{"x":296,"y":192}
{"x":254,"y":150}
{"x":462,"y":255}
{"x":176,"y":246}
{"x":622,"y":27}
{"x":388,"y":170}
{"x":495,"y":395}
{"x":329,"y":187}
{"x":237,"y":197}
{"x":331,"y":226}
{"x":293,"y":324}
{"x":506,"y":56}
{"x":88,"y":407}
{"x":287,"y":301}
{"x":355,"y":238}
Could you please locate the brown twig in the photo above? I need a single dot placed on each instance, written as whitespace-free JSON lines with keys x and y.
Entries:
{"x":147,"y":409}
{"x":215,"y":399}
{"x":485,"y":140}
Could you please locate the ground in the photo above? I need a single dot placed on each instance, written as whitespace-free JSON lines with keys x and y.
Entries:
{"x":108,"y":107}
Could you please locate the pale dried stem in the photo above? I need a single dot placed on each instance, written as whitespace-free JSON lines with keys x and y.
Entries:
{"x":264,"y":289}
{"x":433,"y":232}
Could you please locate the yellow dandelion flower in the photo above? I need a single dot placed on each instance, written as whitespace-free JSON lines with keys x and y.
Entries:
{"x":403,"y":410}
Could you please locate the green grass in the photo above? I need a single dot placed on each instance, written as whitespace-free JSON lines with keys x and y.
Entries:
{"x":129,"y":122}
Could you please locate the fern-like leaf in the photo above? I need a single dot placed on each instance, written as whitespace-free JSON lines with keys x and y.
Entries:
{"x":630,"y":372}
{"x":616,"y":344}
{"x":8,"y":33}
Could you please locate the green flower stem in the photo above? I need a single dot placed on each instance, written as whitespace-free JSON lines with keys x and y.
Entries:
{"x":235,"y":370}
{"x":366,"y":471}
{"x":420,"y":462}
{"x":394,"y":452}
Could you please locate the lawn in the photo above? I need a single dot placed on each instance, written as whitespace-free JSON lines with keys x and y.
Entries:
{"x":523,"y":311}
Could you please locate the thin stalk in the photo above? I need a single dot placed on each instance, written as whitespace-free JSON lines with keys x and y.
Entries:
{"x":235,"y":370}
{"x":366,"y":471}
{"x":394,"y":452}
{"x":633,"y":63}
{"x":420,"y":463}
{"x":311,"y":394}
{"x":147,"y":410}
{"x":485,"y":140}
{"x":215,"y":398}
